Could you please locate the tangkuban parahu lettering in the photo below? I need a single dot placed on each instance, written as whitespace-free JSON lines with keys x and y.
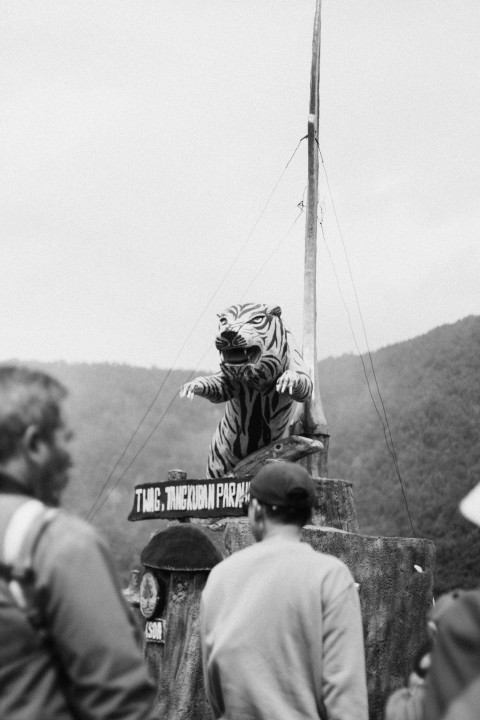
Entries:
{"x":202,"y":496}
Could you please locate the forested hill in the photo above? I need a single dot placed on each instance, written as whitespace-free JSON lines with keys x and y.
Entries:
{"x":430,"y":388}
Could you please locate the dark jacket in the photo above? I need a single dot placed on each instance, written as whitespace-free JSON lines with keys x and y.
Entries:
{"x":453,"y":681}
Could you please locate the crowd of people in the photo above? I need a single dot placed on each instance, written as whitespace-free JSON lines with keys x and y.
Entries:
{"x":281,"y":625}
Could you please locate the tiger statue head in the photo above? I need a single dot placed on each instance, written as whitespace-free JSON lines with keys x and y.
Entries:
{"x":252,"y":341}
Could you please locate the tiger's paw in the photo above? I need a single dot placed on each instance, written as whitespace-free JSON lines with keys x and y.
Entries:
{"x":287,"y":382}
{"x":190,"y":389}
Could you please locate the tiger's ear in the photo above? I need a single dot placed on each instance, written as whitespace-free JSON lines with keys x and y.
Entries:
{"x":276,"y":310}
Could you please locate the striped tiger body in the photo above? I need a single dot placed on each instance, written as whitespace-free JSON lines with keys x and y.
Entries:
{"x":261,"y":375}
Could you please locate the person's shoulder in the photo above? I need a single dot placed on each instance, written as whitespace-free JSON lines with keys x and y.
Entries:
{"x":65,"y":546}
{"x":64,"y":520}
{"x":327,"y":562}
{"x":462,"y":613}
{"x":67,"y":532}
{"x":330,"y":571}
{"x":238,"y":558}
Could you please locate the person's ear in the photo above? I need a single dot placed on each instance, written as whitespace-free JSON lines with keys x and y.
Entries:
{"x":258,"y":511}
{"x":34,"y":445}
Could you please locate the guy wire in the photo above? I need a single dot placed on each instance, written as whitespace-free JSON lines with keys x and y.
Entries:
{"x":192,"y":373}
{"x":91,"y":513}
{"x":391,"y":449}
{"x":275,"y":249}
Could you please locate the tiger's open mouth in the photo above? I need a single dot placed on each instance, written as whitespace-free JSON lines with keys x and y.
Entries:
{"x":241,"y":356}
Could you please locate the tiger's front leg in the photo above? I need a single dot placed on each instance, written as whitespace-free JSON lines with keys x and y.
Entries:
{"x":216,"y":388}
{"x":296,"y":384}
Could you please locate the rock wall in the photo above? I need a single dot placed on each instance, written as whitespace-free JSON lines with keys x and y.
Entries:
{"x":176,"y":665}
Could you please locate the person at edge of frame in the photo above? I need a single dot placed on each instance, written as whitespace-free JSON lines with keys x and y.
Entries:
{"x":452,"y":687}
{"x":68,"y":642}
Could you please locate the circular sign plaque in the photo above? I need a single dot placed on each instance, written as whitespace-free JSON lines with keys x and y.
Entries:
{"x":149,"y":595}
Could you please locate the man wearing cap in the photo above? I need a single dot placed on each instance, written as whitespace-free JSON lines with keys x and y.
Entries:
{"x":280,"y":623}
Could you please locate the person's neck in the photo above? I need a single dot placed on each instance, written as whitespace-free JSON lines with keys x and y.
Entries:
{"x":13,"y":474}
{"x":12,"y":485}
{"x":277,"y":531}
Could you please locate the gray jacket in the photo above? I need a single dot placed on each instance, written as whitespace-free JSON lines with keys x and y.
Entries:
{"x":88,"y":663}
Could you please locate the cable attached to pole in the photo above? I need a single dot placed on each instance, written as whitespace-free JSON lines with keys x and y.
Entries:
{"x":384,"y":420}
{"x":97,"y":504}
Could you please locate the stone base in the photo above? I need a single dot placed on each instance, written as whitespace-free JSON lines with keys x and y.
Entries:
{"x":176,"y":666}
{"x":334,"y":505}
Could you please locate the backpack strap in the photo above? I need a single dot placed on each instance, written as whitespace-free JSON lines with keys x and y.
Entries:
{"x":23,"y":532}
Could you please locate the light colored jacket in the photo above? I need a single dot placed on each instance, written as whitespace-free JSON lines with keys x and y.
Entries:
{"x":282,"y":636}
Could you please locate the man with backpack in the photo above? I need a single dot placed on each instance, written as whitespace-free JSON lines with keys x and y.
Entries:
{"x":68,"y":645}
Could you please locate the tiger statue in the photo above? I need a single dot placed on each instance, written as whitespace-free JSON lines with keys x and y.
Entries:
{"x":261,"y":374}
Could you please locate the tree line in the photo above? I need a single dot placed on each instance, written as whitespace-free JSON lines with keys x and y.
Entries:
{"x":412,"y":452}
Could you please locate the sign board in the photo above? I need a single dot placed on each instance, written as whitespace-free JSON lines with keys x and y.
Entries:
{"x":190,"y":498}
{"x":155,"y":631}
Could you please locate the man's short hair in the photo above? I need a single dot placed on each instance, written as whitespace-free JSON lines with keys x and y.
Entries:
{"x":288,"y":515}
{"x":27,"y":397}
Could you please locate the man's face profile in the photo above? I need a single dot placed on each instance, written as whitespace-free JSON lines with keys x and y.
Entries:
{"x":54,"y":470}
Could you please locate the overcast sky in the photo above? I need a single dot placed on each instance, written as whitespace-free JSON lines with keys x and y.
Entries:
{"x":142,"y":140}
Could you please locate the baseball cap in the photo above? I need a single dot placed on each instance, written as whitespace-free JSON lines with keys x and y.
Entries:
{"x":470,"y":505}
{"x":283,"y":484}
